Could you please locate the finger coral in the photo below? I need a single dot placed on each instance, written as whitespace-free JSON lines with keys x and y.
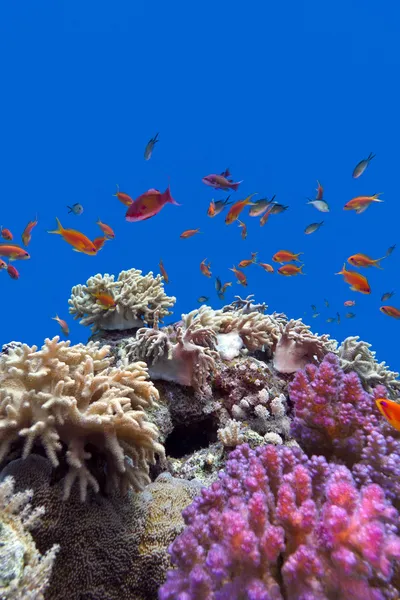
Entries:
{"x":72,"y":402}
{"x":24,"y":572}
{"x":138,"y":299}
{"x":280,"y":526}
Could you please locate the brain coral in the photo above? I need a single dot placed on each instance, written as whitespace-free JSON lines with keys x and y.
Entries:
{"x":69,"y":396}
{"x":24,"y":572}
{"x":138,"y":300}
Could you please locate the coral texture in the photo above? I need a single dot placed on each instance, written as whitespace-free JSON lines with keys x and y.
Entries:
{"x":280,"y":526}
{"x":139,"y":299}
{"x":70,"y":396}
{"x":24,"y":572}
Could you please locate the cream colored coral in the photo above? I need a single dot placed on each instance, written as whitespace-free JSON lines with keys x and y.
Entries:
{"x":231,"y":435}
{"x":24,"y":572}
{"x":139,"y":299}
{"x":72,"y":396}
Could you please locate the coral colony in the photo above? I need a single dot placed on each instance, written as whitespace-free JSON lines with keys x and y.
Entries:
{"x":231,"y":455}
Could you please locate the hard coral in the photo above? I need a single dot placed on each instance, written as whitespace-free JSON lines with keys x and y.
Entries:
{"x":24,"y":572}
{"x":138,"y":300}
{"x":70,"y":395}
{"x":280,"y":526}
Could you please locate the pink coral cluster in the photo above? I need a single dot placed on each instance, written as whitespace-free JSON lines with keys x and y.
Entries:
{"x":334,"y":416}
{"x":278,"y":525}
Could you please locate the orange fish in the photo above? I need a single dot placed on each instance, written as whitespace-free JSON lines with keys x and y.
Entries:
{"x":104,"y":299}
{"x":236,"y":209}
{"x":390,"y":311}
{"x":267,"y":267}
{"x":78,"y":240}
{"x":244,"y":229}
{"x":26,"y":236}
{"x":124,"y":198}
{"x":290,"y":270}
{"x":248,"y":261}
{"x":265,"y":216}
{"x":106,"y":229}
{"x":357,"y":282}
{"x":6,"y":234}
{"x":241,"y":277}
{"x":12,"y":271}
{"x":62,"y":324}
{"x":362,"y":260}
{"x":99,"y":242}
{"x":390,"y":410}
{"x":349,"y":303}
{"x":3,"y":264}
{"x":205,"y":269}
{"x":188,"y":233}
{"x":286,"y":256}
{"x":163,"y":271}
{"x":361,"y":203}
{"x":211,"y":212}
{"x":13,"y":251}
{"x":320,"y":191}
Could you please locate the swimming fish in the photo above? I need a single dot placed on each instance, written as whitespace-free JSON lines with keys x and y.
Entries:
{"x":313,"y":307}
{"x":315,"y":315}
{"x":12,"y":271}
{"x":361,"y":203}
{"x":202,"y":299}
{"x":331,"y":319}
{"x":188,"y":233}
{"x":148,"y":151}
{"x":205,"y":269}
{"x":13,"y":251}
{"x":267,"y":267}
{"x":313,"y":227}
{"x":163,"y":271}
{"x":240,"y":276}
{"x":362,"y":260}
{"x":79,"y":241}
{"x":286,"y":256}
{"x":62,"y":324}
{"x":390,"y":410}
{"x":3,"y":264}
{"x":248,"y":261}
{"x":276,"y":208}
{"x":326,"y":303}
{"x":350,"y":315}
{"x":148,"y":205}
{"x":221,"y":182}
{"x":320,"y":191}
{"x":349,"y":303}
{"x":124,"y":198}
{"x":218,"y":284}
{"x":265,"y":216}
{"x":99,"y":242}
{"x":216,"y":207}
{"x":26,"y":235}
{"x":390,"y":250}
{"x":260,"y":206}
{"x":104,"y":300}
{"x":243,"y":235}
{"x":223,"y":289}
{"x":6,"y":234}
{"x":77,"y":209}
{"x":338,"y":318}
{"x":357,"y":282}
{"x":320,"y":205}
{"x":390,"y":311}
{"x":289,"y":270}
{"x":106,"y":229}
{"x":236,"y":209}
{"x":386,"y":296}
{"x":362,"y":165}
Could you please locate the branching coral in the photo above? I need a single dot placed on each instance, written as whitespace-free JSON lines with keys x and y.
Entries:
{"x":139,"y":299}
{"x":280,"y":526}
{"x":24,"y":572}
{"x":355,"y":355}
{"x":71,"y":395}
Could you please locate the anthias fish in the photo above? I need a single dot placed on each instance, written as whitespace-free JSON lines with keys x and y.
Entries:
{"x":13,"y":251}
{"x":221,"y":182}
{"x":148,"y":205}
{"x":122,"y":197}
{"x":357,"y":282}
{"x":361,"y":203}
{"x":26,"y":235}
{"x":76,"y":239}
{"x":390,"y":311}
{"x":390,"y":410}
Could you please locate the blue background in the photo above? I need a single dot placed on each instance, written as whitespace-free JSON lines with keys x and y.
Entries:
{"x":284,"y":93}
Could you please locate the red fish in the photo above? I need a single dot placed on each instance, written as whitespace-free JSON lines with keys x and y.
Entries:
{"x":349,"y":303}
{"x":390,"y":410}
{"x":6,"y":234}
{"x":241,"y":277}
{"x":106,"y":229}
{"x":188,"y":233}
{"x":357,"y":282}
{"x":243,"y":235}
{"x":286,"y":256}
{"x":78,"y":240}
{"x":62,"y":324}
{"x":13,"y":252}
{"x":267,"y":267}
{"x":362,"y":260}
{"x":221,"y":182}
{"x":148,"y":205}
{"x":163,"y":271}
{"x":361,"y":203}
{"x":99,"y":242}
{"x":289,"y":270}
{"x":248,"y":261}
{"x":26,"y":236}
{"x":104,"y":300}
{"x":12,"y":271}
{"x":390,"y":311}
{"x":3,"y":264}
{"x":122,"y":197}
{"x":205,"y":269}
{"x":236,"y":209}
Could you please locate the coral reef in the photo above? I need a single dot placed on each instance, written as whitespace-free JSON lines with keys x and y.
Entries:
{"x":112,"y":548}
{"x":139,"y":299}
{"x":278,"y":525}
{"x":24,"y":572}
{"x":66,"y":398}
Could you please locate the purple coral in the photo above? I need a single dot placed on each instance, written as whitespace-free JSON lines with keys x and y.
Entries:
{"x":279,"y":525}
{"x":336,"y":417}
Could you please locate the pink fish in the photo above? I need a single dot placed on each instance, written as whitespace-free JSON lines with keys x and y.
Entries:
{"x":148,"y":205}
{"x":221,"y":182}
